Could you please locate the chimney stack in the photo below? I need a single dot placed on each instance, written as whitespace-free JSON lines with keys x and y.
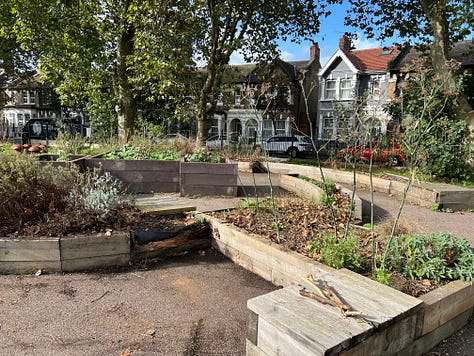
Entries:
{"x":345,"y":43}
{"x":314,"y":52}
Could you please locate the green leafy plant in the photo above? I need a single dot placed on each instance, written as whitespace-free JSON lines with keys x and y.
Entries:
{"x":250,"y":204}
{"x":438,"y":256}
{"x":136,"y":152}
{"x":338,"y":252}
{"x":277,"y":225}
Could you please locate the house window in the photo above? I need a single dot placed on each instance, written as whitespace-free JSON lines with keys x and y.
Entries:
{"x":374,"y":87}
{"x":267,"y":129}
{"x":281,"y":127}
{"x":346,"y":89}
{"x":328,"y":129}
{"x":28,"y":97}
{"x":47,"y":97}
{"x":20,"y":119}
{"x":291,"y":97}
{"x":237,"y":97}
{"x":330,"y":89}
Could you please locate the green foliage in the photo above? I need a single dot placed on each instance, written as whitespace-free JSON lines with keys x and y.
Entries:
{"x":201,"y":154}
{"x":133,"y":152}
{"x":327,"y":199}
{"x":250,"y":204}
{"x":440,"y":257}
{"x":411,"y":19}
{"x":277,"y":225}
{"x":382,"y":277}
{"x":435,"y":140}
{"x":338,"y":252}
{"x":200,"y":220}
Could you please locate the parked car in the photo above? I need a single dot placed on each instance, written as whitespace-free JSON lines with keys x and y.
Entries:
{"x":39,"y":129}
{"x":218,"y":141}
{"x":292,"y":145}
{"x":390,"y":153}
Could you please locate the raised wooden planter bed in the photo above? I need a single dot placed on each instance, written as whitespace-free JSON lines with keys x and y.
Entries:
{"x":424,"y":194}
{"x":141,"y":176}
{"x":285,"y":323}
{"x":186,"y":178}
{"x":88,"y":252}
{"x":64,"y":254}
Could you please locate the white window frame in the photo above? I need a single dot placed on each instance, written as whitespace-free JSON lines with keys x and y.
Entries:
{"x":345,"y":92}
{"x":237,"y":97}
{"x":375,"y":87}
{"x":28,"y":97}
{"x":330,"y":93}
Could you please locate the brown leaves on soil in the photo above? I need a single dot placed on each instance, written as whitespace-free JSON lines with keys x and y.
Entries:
{"x":74,"y":222}
{"x":298,"y":220}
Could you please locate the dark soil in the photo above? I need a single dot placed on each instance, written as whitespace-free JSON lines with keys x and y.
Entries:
{"x":300,"y":221}
{"x":79,"y":222}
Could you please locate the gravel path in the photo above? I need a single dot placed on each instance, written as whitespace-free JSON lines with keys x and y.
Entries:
{"x":188,"y":305}
{"x":417,"y":218}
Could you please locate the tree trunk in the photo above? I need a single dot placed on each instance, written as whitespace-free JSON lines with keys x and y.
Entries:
{"x":439,"y":58}
{"x":207,"y":104}
{"x":126,"y":108}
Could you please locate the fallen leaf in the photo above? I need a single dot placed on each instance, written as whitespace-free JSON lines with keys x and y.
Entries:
{"x":126,"y":352}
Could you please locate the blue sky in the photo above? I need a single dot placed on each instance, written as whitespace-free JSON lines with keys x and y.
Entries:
{"x":331,"y":30}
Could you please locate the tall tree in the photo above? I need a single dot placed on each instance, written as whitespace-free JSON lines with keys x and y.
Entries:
{"x":436,"y":24}
{"x":251,"y":26}
{"x":106,"y":53}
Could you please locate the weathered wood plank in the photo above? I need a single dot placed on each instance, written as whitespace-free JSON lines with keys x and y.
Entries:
{"x":208,"y":168}
{"x":88,"y":263}
{"x":94,"y":246}
{"x":162,"y":205}
{"x":384,"y":305}
{"x":20,"y":267}
{"x":445,"y":303}
{"x":304,"y":324}
{"x":29,"y":250}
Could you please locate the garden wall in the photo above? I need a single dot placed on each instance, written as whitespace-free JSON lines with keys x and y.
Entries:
{"x":285,"y":323}
{"x":64,"y":254}
{"x":423,"y":194}
{"x":153,"y":176}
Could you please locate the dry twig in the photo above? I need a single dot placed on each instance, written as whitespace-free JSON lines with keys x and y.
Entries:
{"x":327,"y":295}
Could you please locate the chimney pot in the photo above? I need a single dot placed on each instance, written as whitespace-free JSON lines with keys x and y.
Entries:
{"x":345,"y":43}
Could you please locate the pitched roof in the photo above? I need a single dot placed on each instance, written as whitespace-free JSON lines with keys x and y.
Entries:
{"x":373,"y":59}
{"x":462,"y":51}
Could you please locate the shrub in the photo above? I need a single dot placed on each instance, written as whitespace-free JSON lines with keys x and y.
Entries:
{"x":438,"y":256}
{"x":97,"y":193}
{"x":29,"y":190}
{"x":338,"y":252}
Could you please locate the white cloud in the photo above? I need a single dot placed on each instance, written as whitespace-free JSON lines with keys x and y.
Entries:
{"x":364,"y":43}
{"x":236,"y":58}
